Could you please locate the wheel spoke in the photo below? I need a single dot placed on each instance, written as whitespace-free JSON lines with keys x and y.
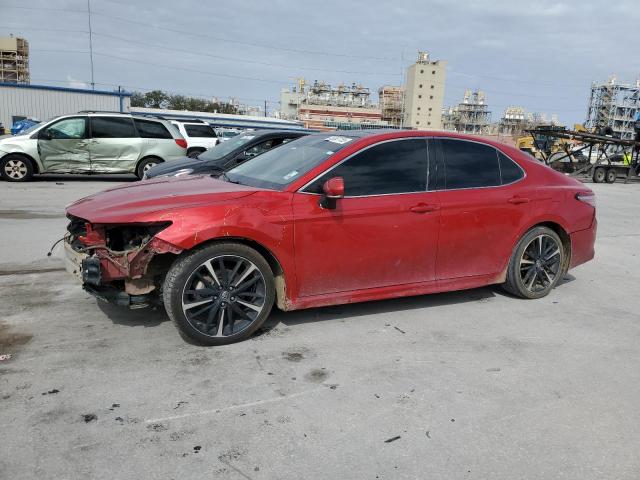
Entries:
{"x":223,"y":271}
{"x":240,"y":312}
{"x":212,"y":314}
{"x":246,"y":273}
{"x":211,"y":271}
{"x":253,"y":307}
{"x":247,"y":284}
{"x":220,"y":323}
{"x":549,"y":257}
{"x":234,"y":272}
{"x":189,"y":306}
{"x":202,"y":292}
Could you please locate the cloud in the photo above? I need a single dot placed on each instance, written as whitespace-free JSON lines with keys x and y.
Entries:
{"x":74,"y":83}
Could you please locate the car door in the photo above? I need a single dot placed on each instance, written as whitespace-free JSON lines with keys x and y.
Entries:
{"x":63,"y":146}
{"x":115,"y":146}
{"x":482,"y":207}
{"x":382,"y":233}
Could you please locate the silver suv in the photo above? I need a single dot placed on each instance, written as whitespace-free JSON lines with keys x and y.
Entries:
{"x":90,"y":143}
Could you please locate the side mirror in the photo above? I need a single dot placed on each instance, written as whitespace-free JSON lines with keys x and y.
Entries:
{"x":333,"y":190}
{"x":45,"y":135}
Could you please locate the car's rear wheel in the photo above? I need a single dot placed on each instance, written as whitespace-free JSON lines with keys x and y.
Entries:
{"x":219,"y":294}
{"x":146,"y":164}
{"x":536,"y":265}
{"x":16,"y":168}
{"x":193,"y":153}
{"x":611,"y":176}
{"x":599,"y":175}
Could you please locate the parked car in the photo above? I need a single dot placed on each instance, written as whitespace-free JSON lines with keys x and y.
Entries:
{"x":90,"y":143}
{"x":200,"y":136}
{"x":330,"y":219}
{"x":225,"y":134}
{"x":226,"y":155}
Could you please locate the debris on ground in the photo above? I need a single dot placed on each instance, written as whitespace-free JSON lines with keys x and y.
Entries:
{"x":428,"y":434}
{"x":392,"y":439}
{"x":399,"y":329}
{"x":5,"y":357}
{"x":179,"y":404}
{"x":197,"y":448}
{"x":89,"y":417}
{"x":51,"y":392}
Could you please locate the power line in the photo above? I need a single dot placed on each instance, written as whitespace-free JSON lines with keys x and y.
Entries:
{"x":235,"y":59}
{"x":212,"y":37}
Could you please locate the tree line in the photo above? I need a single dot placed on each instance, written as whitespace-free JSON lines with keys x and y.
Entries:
{"x":160,"y":99}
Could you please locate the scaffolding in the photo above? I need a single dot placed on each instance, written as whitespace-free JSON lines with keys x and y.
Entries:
{"x":615,"y":106}
{"x":14,"y":60}
{"x":321,"y":93}
{"x":472,"y":115}
{"x":390,"y":98}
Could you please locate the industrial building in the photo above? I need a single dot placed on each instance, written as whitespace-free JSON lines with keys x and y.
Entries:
{"x":424,"y":96}
{"x":14,"y":60}
{"x":472,"y":115}
{"x":41,"y":102}
{"x":390,"y":99}
{"x":614,"y":105}
{"x":323,"y":107}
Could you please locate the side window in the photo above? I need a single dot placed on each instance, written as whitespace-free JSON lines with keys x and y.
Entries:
{"x":390,"y":167}
{"x":69,"y":128}
{"x":258,"y":149}
{"x":112,"y":127}
{"x":509,"y":171}
{"x":470,"y":165}
{"x":148,"y":129}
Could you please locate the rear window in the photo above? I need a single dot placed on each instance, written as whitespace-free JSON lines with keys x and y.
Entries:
{"x":200,"y":131}
{"x":509,"y":171}
{"x":148,"y":129}
{"x":112,"y":127}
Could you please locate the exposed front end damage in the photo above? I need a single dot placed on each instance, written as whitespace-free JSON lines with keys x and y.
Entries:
{"x":123,"y":264}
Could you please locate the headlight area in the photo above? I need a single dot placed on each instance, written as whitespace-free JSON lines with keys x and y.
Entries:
{"x":123,"y":264}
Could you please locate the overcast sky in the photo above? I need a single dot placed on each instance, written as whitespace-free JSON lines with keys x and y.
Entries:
{"x":539,"y":54}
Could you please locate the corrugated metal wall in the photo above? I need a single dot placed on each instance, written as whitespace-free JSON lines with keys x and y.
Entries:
{"x":43,"y":104}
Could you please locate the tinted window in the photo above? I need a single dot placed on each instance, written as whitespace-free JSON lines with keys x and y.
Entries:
{"x":68,"y":128}
{"x":509,"y":171}
{"x":147,"y":129}
{"x":390,"y":167}
{"x":470,"y":165}
{"x":258,"y":149}
{"x":112,"y":127}
{"x":200,"y":131}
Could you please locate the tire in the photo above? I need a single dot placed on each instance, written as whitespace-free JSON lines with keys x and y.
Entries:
{"x":194,"y":153}
{"x":145,"y":164}
{"x":228,"y":319}
{"x":611,"y":176}
{"x":599,"y":175}
{"x":16,"y":168}
{"x":548,"y":268}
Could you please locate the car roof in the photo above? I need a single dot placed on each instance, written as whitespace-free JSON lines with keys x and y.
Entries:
{"x":274,"y":133}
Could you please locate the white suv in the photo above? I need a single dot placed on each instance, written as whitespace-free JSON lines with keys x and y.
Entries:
{"x":200,"y":136}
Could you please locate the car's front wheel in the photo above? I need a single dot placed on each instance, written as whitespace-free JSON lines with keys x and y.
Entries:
{"x":16,"y":168}
{"x":219,"y":294}
{"x":536,"y":265}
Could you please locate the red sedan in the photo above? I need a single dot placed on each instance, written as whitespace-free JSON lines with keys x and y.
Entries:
{"x":330,"y":219}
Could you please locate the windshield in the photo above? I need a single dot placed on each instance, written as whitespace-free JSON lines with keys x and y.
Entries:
{"x":279,"y":167}
{"x":222,"y":150}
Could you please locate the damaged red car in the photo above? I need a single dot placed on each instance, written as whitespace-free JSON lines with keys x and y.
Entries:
{"x":330,"y":219}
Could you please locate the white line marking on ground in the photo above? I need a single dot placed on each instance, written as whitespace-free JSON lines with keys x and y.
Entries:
{"x":233,"y":407}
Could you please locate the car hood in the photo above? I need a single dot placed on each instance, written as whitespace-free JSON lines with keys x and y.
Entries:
{"x":152,"y":200}
{"x":172,"y":166}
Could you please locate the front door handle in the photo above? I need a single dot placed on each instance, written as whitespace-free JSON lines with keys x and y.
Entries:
{"x":424,"y":208}
{"x":516,"y":200}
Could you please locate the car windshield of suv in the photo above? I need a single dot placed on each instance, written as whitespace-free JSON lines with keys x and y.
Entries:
{"x":222,"y":150}
{"x":279,"y":167}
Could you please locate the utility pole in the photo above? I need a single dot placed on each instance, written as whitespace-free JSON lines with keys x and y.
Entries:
{"x":265,"y":108}
{"x":93,"y":85}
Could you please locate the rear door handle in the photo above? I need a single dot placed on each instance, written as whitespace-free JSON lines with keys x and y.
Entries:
{"x":424,"y":208}
{"x":518,"y":200}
